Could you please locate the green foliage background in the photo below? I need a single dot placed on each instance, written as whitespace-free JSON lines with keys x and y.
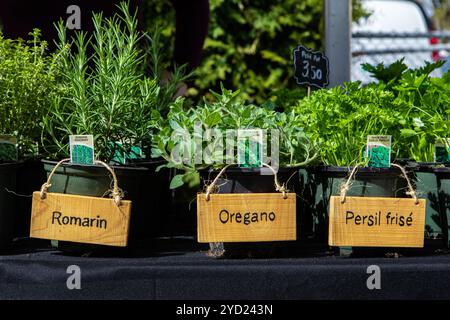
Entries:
{"x":250,"y":43}
{"x":442,"y":17}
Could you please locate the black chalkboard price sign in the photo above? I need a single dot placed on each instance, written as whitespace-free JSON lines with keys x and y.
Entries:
{"x":311,"y":68}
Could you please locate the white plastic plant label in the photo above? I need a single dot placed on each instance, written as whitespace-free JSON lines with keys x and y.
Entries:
{"x":82,"y":149}
{"x":250,"y":148}
{"x":378,"y":151}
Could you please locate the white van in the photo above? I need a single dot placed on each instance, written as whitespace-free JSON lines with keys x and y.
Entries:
{"x":391,"y":16}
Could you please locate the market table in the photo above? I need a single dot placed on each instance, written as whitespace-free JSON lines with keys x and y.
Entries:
{"x":32,"y":270}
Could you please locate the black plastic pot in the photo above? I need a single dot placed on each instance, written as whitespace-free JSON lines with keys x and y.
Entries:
{"x":325,"y":181}
{"x":158,"y":186}
{"x":426,"y":183}
{"x":30,"y":177}
{"x":250,"y":180}
{"x":322,"y":182}
{"x":7,"y":202}
{"x":183,"y":213}
{"x":443,"y":185}
{"x":142,"y":185}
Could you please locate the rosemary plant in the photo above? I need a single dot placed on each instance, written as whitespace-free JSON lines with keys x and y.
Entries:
{"x":106,"y":90}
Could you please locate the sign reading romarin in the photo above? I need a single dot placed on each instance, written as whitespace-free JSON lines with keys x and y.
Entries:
{"x":62,"y":220}
{"x":80,"y":219}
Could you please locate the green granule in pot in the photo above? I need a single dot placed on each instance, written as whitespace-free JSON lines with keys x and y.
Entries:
{"x":379,"y":157}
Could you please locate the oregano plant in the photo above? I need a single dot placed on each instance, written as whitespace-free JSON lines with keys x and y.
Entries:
{"x":226,"y":112}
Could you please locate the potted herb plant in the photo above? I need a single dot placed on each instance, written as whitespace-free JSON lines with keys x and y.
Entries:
{"x":227,"y":113}
{"x":106,"y":92}
{"x":340,"y":119}
{"x":401,"y":104}
{"x":28,"y":83}
{"x":427,"y":123}
{"x":430,"y":127}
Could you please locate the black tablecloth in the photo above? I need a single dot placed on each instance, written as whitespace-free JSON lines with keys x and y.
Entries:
{"x":188,"y":273}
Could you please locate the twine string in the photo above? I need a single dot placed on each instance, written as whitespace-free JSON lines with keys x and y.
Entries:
{"x":212,"y":185}
{"x":278,"y":187}
{"x":116,"y":192}
{"x":347,"y":185}
{"x":47,"y":185}
{"x":411,"y":192}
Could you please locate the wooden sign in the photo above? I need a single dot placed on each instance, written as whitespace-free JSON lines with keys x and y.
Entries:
{"x":82,"y":219}
{"x":311,"y":68}
{"x":376,"y":222}
{"x":251,"y":217}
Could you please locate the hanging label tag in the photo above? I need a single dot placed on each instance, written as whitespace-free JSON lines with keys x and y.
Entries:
{"x":249,"y":217}
{"x":82,"y":149}
{"x":378,"y":151}
{"x":376,"y":222}
{"x":74,"y":218}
